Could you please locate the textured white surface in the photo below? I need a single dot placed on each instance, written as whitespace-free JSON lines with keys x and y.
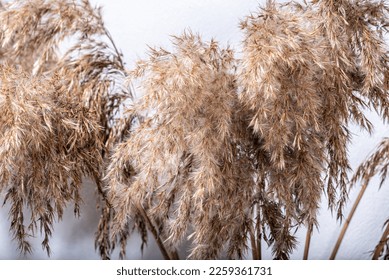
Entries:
{"x":136,"y":24}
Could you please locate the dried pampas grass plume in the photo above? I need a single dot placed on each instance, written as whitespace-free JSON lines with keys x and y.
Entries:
{"x":86,"y":73}
{"x":307,"y":70}
{"x":48,"y":142}
{"x":181,"y":164}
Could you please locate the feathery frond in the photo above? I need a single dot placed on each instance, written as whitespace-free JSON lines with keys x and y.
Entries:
{"x":182,"y":163}
{"x":48,"y":142}
{"x":66,"y":42}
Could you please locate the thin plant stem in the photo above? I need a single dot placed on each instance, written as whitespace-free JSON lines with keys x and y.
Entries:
{"x":256,"y":235}
{"x":347,"y":222}
{"x":380,"y":245}
{"x":254,"y":248}
{"x":174,"y":255}
{"x":259,"y":246}
{"x":118,"y":53}
{"x":259,"y":233}
{"x":308,"y":241}
{"x":154,"y":232}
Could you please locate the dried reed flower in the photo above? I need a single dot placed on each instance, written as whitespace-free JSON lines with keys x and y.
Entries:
{"x":181,"y":164}
{"x":33,"y":30}
{"x":48,"y":142}
{"x":32,"y":33}
{"x":90,"y":70}
{"x":279,"y":75}
{"x":307,"y":70}
{"x":376,"y":163}
{"x":364,"y":25}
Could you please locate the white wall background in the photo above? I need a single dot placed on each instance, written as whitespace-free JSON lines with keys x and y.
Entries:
{"x":135,"y":25}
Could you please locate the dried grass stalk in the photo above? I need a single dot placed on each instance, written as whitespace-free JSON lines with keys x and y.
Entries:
{"x":377,"y":163}
{"x":382,"y":248}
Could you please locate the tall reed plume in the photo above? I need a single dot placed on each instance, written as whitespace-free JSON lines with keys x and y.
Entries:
{"x":184,"y":163}
{"x":307,"y":71}
{"x":60,"y":111}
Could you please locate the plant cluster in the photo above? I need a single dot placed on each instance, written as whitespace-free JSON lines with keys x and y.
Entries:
{"x":218,"y":151}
